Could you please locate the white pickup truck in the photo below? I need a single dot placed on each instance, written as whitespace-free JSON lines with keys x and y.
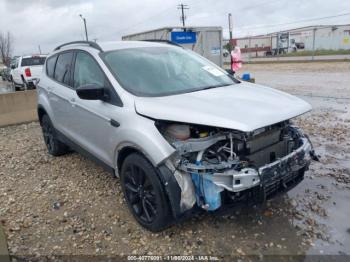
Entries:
{"x":26,"y":70}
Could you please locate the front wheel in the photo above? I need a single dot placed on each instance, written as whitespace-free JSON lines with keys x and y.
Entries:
{"x":144,"y":193}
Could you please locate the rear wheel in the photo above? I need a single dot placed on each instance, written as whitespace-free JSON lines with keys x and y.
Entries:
{"x":53,"y":145}
{"x":144,"y":193}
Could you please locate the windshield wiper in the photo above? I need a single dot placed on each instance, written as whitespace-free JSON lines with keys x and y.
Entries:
{"x":214,"y":86}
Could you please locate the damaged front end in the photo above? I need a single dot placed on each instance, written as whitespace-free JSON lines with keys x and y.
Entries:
{"x":215,"y":167}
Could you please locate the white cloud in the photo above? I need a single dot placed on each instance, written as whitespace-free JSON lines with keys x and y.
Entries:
{"x":49,"y":23}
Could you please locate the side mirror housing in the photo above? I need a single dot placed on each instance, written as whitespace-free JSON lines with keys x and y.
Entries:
{"x":92,"y":92}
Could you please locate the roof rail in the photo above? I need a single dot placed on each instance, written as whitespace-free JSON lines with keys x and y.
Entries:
{"x":163,"y":41}
{"x":92,"y":44}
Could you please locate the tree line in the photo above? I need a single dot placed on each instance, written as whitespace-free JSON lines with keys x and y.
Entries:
{"x":6,"y":47}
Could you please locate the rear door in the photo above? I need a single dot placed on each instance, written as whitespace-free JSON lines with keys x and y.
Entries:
{"x":60,"y":92}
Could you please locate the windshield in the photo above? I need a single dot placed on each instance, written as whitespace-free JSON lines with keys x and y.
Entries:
{"x":33,"y":61}
{"x":159,"y":71}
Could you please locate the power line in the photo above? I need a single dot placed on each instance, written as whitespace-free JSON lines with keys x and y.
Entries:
{"x":183,"y":17}
{"x":293,"y":22}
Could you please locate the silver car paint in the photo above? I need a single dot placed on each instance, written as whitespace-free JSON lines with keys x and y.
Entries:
{"x":87,"y":122}
{"x":245,"y":107}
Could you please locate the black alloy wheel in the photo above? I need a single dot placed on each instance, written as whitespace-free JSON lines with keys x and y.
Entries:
{"x":144,"y":193}
{"x":48,"y":135}
{"x":140,"y":194}
{"x":53,"y":145}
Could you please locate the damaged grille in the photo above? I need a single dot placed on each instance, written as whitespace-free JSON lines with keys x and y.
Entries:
{"x":218,"y":159}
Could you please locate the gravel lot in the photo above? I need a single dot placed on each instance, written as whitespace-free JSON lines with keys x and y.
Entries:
{"x":68,"y":205}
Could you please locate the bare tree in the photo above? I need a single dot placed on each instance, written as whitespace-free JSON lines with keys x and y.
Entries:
{"x":6,"y":47}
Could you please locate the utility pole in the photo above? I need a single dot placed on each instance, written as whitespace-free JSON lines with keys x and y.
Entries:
{"x":183,"y":8}
{"x":230,"y":25}
{"x":84,"y":20}
{"x":39,"y":49}
{"x":313,"y":43}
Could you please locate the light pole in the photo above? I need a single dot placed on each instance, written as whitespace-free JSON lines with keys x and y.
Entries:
{"x":84,"y":20}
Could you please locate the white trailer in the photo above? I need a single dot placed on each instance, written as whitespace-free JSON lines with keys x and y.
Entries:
{"x":206,"y":41}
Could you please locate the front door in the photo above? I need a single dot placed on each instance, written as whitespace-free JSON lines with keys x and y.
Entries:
{"x":91,"y":119}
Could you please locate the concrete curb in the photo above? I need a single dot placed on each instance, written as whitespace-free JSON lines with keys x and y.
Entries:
{"x":4,"y":254}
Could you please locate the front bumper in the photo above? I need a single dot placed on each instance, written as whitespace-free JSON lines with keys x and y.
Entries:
{"x":278,"y":173}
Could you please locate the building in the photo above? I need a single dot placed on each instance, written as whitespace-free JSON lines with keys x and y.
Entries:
{"x":206,"y":41}
{"x":309,"y":38}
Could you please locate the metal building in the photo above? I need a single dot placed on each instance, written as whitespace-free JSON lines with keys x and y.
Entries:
{"x":321,"y":37}
{"x":206,"y":41}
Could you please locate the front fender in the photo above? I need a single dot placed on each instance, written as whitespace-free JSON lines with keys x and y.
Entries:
{"x":146,"y":140}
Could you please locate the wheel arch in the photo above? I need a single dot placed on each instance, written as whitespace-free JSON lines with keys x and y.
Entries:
{"x":41,"y":112}
{"x":166,"y":177}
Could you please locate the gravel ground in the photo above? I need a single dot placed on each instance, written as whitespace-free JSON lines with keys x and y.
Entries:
{"x":70,"y":206}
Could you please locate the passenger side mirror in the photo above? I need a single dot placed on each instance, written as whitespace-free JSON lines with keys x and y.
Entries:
{"x":92,"y":92}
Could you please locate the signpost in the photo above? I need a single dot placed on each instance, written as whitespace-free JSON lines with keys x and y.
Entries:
{"x":184,"y":37}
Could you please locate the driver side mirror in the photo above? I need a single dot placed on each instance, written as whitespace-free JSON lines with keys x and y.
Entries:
{"x":92,"y":92}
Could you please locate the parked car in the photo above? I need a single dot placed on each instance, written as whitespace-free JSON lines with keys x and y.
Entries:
{"x":25,"y":70}
{"x":6,"y":76}
{"x":181,"y":133}
{"x":2,"y":74}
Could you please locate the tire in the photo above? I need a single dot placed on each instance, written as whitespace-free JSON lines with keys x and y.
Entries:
{"x":144,"y":193}
{"x":53,"y":145}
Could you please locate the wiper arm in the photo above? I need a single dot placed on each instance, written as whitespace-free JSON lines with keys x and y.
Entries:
{"x":215,"y":86}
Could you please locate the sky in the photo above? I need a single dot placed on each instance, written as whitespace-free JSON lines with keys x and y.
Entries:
{"x":49,"y":23}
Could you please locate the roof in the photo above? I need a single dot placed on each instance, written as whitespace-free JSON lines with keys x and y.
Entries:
{"x":113,"y":45}
{"x":171,"y":28}
{"x":107,"y":46}
{"x":34,"y":55}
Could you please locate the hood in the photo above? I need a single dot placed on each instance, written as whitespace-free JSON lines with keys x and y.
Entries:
{"x":242,"y":106}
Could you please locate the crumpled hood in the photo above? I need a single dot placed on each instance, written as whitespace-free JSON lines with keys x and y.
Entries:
{"x":243,"y":107}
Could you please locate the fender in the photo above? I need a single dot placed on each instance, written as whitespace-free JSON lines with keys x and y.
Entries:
{"x":147,"y":141}
{"x":43,"y":103}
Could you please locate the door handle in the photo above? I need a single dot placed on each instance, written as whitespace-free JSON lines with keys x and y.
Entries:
{"x":114,"y":123}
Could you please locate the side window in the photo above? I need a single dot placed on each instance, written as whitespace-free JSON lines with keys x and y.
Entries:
{"x":87,"y":71}
{"x":62,"y":70}
{"x":50,"y":65}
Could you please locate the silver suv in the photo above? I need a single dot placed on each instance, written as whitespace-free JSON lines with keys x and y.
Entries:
{"x":181,"y":133}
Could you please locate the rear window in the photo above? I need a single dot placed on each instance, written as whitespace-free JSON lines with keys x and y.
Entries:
{"x":50,"y":65}
{"x":62,"y":69}
{"x":33,"y":61}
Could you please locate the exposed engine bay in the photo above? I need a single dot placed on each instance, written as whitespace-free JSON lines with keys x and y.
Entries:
{"x":212,"y":163}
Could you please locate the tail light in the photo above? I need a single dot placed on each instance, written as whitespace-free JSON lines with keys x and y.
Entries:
{"x":27,"y":72}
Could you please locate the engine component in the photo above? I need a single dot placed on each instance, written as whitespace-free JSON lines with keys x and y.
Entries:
{"x":178,"y":132}
{"x":211,"y":160}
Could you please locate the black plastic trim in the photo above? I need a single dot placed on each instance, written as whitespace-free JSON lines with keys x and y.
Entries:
{"x":172,"y":189}
{"x":92,"y":44}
